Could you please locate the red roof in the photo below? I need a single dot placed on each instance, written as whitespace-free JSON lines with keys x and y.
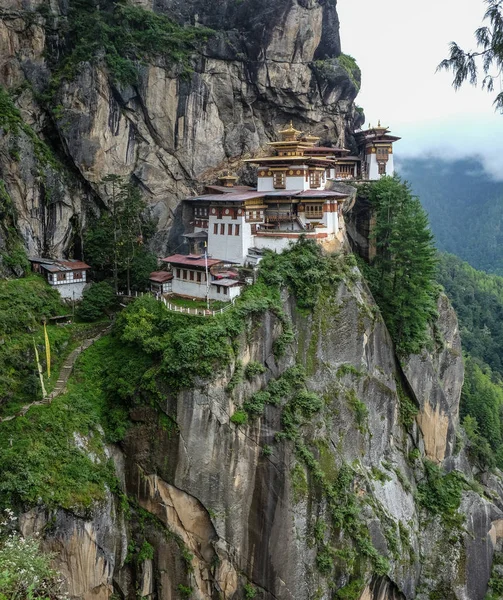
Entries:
{"x":160,"y":276}
{"x":74,"y":264}
{"x":321,"y":194}
{"x":232,"y":196}
{"x":229,"y":190}
{"x":191,"y":260}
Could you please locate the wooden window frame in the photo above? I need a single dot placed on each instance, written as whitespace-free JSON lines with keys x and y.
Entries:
{"x":229,"y":229}
{"x":236,"y":229}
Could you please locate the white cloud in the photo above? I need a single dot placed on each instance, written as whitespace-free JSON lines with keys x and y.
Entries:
{"x":398,"y":45}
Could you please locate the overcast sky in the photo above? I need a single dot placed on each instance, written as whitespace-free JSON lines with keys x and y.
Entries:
{"x":398,"y":44}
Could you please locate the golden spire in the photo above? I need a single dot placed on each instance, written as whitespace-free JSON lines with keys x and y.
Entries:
{"x":289,"y":133}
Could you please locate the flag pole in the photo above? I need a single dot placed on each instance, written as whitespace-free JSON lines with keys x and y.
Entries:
{"x":207,"y":277}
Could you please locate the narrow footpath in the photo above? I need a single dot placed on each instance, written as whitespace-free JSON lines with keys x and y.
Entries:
{"x":64,"y":376}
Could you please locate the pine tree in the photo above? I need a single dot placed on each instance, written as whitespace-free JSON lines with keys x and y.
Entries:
{"x":403,"y":270}
{"x":115,"y":244}
{"x":489,"y":57}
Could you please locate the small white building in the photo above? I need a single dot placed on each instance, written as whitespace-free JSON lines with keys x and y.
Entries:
{"x":198,"y":276}
{"x":161,"y":282}
{"x":68,"y":276}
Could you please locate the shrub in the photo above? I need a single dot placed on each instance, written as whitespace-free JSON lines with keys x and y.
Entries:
{"x":96,"y":301}
{"x":240,"y":417}
{"x":25,"y":571}
{"x":253,"y":369}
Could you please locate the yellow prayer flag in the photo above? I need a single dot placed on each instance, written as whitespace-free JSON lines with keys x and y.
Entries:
{"x":47,"y":351}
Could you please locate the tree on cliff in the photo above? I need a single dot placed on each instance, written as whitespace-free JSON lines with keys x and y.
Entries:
{"x":402,"y":273}
{"x":115,"y":243}
{"x":488,"y":58}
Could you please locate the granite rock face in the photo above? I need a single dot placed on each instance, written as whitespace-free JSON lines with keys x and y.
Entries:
{"x":168,"y":133}
{"x":233,"y":508}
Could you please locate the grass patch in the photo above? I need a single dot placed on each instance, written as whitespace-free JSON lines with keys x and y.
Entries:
{"x":39,"y":458}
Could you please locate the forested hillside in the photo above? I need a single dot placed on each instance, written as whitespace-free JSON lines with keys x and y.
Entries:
{"x":465,"y":208}
{"x":478,"y":301}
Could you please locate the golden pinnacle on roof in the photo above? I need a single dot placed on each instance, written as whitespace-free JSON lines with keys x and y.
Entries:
{"x":289,"y":133}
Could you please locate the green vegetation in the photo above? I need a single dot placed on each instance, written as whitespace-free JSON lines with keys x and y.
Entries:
{"x":455,"y":194}
{"x":24,"y":303}
{"x":478,"y":301}
{"x":97,"y":301}
{"x":253,"y":369}
{"x":115,"y":244}
{"x":348,"y":63}
{"x":124,"y":36}
{"x":12,"y":122}
{"x":401,"y":276}
{"x":440,"y":493}
{"x":14,"y":256}
{"x":329,"y":69}
{"x":250,"y":591}
{"x":25,"y":571}
{"x":39,"y":460}
{"x":240,"y":417}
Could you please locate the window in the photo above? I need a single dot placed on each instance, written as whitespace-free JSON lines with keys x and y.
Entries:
{"x":179,"y":273}
{"x":218,"y":289}
{"x":236,"y":230}
{"x":225,"y":291}
{"x":185,"y":273}
{"x":279,"y":179}
{"x":215,"y":228}
{"x":191,"y":274}
{"x":382,"y":168}
{"x":61,"y":276}
{"x":253,"y":229}
{"x":229,"y":229}
{"x":199,"y":277}
{"x":222,"y":229}
{"x":314,"y":179}
{"x":77,"y":274}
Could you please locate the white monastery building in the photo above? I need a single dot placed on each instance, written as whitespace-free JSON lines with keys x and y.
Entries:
{"x":69,"y":276}
{"x":232,"y":225}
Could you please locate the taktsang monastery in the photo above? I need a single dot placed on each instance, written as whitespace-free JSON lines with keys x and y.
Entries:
{"x":232,"y":225}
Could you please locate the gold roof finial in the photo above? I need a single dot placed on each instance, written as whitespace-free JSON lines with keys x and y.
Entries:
{"x":379,"y":123}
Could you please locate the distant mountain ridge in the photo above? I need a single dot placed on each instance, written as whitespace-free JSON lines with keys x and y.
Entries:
{"x":464,"y":205}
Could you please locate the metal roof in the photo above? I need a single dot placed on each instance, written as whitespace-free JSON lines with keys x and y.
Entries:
{"x":198,"y":235}
{"x":191,"y":260}
{"x":231,"y":197}
{"x":225,"y":282}
{"x":57,"y":265}
{"x":160,"y":276}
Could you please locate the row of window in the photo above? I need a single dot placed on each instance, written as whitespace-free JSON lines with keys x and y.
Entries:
{"x":201,"y":211}
{"x":223,"y":289}
{"x":62,"y":276}
{"x":220,"y":227}
{"x":188,"y":275}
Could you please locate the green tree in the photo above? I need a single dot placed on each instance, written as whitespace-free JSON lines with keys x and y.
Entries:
{"x":116,"y":243}
{"x":401,"y":275}
{"x":488,"y":58}
{"x":25,"y":571}
{"x":96,"y":300}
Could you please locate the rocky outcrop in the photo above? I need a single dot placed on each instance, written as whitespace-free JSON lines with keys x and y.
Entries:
{"x":168,"y":132}
{"x":234,"y":510}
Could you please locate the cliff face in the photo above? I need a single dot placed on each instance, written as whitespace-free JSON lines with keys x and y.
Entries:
{"x":259,"y":69}
{"x":232,"y":510}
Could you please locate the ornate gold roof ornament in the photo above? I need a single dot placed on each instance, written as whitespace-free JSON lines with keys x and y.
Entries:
{"x":290,"y":133}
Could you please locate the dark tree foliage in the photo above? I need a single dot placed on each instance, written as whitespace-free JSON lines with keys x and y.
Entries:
{"x":96,"y":301}
{"x":115,"y":244}
{"x":401,"y":275}
{"x":488,"y":58}
{"x":455,"y":193}
{"x":478,"y":300}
